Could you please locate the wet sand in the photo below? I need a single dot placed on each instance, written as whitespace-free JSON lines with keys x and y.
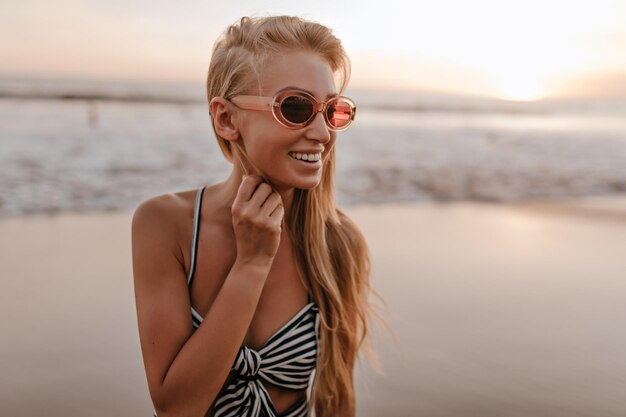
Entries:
{"x":499,"y":310}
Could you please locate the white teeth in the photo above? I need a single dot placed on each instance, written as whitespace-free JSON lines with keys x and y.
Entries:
{"x":306,"y":157}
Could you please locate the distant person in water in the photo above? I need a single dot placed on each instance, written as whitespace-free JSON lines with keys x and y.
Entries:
{"x":252,"y":293}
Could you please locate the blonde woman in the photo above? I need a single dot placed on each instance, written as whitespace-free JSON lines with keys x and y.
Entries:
{"x":252,"y":293}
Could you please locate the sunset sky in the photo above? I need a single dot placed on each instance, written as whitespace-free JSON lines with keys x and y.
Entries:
{"x":510,"y":49}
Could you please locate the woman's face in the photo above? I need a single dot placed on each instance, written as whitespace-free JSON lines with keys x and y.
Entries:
{"x":268,"y":143}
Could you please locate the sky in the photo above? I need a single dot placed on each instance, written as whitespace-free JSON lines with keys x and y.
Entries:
{"x":518,"y":50}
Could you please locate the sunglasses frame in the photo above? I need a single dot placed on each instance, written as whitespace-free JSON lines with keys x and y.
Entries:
{"x":274,"y":103}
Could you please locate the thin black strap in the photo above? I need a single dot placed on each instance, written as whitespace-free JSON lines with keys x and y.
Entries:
{"x":309,"y":297}
{"x":196,"y":228}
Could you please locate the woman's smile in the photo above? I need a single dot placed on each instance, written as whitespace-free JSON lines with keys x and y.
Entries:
{"x":307,"y":161}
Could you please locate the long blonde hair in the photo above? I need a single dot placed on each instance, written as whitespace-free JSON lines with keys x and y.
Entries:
{"x":332,"y":255}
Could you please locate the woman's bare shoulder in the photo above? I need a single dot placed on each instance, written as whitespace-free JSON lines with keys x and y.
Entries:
{"x":165,"y":216}
{"x":171,"y":200}
{"x":167,"y":208}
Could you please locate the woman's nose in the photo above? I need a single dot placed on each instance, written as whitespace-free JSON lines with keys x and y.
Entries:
{"x":318,"y":129}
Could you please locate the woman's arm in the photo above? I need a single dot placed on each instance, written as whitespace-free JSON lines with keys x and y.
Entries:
{"x":185,"y":370}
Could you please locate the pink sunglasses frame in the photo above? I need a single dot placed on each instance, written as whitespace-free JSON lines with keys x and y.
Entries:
{"x":273,"y":104}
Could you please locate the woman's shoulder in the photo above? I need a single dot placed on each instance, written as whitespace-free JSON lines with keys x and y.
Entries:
{"x":168,"y":215}
{"x":167,"y":208}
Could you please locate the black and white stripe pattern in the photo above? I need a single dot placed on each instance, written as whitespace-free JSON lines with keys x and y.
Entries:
{"x":288,"y":359}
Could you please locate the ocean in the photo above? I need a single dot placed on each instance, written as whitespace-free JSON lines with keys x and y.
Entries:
{"x":100,"y":146}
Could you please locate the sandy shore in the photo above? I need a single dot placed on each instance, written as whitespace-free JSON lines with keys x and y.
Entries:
{"x":499,"y":310}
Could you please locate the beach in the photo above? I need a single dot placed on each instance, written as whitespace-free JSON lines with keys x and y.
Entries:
{"x":95,"y":154}
{"x":503,"y":310}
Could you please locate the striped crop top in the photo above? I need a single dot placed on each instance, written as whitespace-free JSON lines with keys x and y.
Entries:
{"x":288,"y":359}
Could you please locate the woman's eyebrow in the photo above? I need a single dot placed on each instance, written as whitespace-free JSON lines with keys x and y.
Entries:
{"x":293,"y":87}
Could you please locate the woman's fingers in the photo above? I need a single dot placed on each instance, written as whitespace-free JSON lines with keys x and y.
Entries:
{"x":274,"y":200}
{"x":246,"y":188}
{"x":278,"y":213}
{"x":257,"y":220}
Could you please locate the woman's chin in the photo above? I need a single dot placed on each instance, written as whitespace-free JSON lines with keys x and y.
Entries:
{"x":301,"y":182}
{"x":308,"y":188}
{"x":307,"y":183}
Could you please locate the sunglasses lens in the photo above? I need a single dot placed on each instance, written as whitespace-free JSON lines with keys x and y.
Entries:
{"x":339,"y":113}
{"x":296,"y":109}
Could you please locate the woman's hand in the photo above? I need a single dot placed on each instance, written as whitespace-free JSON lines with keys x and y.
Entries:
{"x":257,"y":214}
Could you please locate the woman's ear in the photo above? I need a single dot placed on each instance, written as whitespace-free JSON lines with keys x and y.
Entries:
{"x":224,"y":119}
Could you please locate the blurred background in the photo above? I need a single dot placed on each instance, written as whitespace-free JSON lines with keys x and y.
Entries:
{"x":486,"y":167}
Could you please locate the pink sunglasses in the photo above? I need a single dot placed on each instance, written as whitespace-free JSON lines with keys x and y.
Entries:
{"x":295,"y":109}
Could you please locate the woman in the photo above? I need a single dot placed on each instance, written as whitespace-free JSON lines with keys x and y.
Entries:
{"x":275,"y":275}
